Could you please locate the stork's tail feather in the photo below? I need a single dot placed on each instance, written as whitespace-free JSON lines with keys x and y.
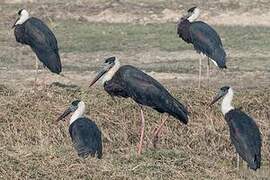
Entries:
{"x":54,"y":63}
{"x":256,"y":163}
{"x":179,"y":111}
{"x":219,"y":56}
{"x":50,"y":59}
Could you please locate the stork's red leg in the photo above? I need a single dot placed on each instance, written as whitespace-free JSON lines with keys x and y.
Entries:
{"x":156,"y":134}
{"x":142,"y":133}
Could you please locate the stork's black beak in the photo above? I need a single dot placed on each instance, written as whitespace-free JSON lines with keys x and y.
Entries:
{"x":67,"y":112}
{"x":101,"y":72}
{"x":15,"y":23}
{"x":216,"y":98}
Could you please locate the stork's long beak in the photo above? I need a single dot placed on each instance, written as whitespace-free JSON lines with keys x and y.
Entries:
{"x":15,"y":23}
{"x":67,"y":112}
{"x":216,"y":98}
{"x":101,"y":72}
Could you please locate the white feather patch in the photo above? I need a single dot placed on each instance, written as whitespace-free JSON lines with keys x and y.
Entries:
{"x":24,"y":17}
{"x":226,"y":104}
{"x":108,"y":75}
{"x":195,"y":15}
{"x":78,"y":113}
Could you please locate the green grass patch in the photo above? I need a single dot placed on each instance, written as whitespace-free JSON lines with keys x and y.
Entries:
{"x":91,"y":37}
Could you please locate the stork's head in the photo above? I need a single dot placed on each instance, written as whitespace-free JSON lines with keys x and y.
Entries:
{"x":222,"y":92}
{"x":192,"y":14}
{"x":107,"y":71}
{"x":23,"y":16}
{"x":74,"y":106}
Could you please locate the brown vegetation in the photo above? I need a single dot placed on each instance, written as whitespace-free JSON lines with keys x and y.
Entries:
{"x":32,"y":145}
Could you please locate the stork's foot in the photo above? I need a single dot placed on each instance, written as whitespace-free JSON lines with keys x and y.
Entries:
{"x":157,"y":132}
{"x":155,"y":140}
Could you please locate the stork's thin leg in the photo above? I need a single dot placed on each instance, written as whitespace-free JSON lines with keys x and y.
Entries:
{"x":208,"y":70}
{"x":36,"y":73}
{"x":200,"y":71}
{"x":156,"y":133}
{"x":142,"y":132}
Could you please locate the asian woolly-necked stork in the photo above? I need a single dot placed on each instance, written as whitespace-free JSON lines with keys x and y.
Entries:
{"x":204,"y":38}
{"x":35,"y":33}
{"x":129,"y":82}
{"x":244,"y":133}
{"x":85,"y":135}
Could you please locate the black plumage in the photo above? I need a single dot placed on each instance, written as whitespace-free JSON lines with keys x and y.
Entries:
{"x":204,"y":39}
{"x":131,"y":82}
{"x":245,"y":136}
{"x":86,"y":137}
{"x":39,"y":37}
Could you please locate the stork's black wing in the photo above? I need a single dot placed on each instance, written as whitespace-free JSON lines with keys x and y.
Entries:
{"x":132,"y":82}
{"x":86,"y":137}
{"x":245,"y":136}
{"x":206,"y":40}
{"x":42,"y":41}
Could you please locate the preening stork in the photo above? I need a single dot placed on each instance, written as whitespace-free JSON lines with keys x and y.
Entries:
{"x":85,"y":135}
{"x":129,"y":82}
{"x":244,"y":133}
{"x":35,"y":33}
{"x":204,"y":39}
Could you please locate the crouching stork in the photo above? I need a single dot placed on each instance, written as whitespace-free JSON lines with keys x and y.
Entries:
{"x":85,"y":135}
{"x":244,"y":133}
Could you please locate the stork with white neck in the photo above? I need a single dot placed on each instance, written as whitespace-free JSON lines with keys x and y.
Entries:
{"x":244,"y":133}
{"x":85,"y":135}
{"x":35,"y":33}
{"x":204,"y":38}
{"x":129,"y":82}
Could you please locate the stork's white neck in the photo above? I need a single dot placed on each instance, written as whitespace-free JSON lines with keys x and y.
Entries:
{"x":226,"y":105}
{"x":78,"y":113}
{"x":195,"y":15}
{"x":24,"y":17}
{"x":108,"y":75}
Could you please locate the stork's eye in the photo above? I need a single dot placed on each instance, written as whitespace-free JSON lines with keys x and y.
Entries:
{"x":75,"y":103}
{"x":19,"y":12}
{"x":110,"y":60}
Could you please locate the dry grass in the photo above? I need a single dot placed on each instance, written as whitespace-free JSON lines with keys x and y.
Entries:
{"x":32,"y":146}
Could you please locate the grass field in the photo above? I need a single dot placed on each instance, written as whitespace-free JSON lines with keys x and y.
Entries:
{"x":32,"y":146}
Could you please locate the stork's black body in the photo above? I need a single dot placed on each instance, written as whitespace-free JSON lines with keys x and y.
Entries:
{"x":129,"y":81}
{"x":245,"y":136}
{"x":204,"y":39}
{"x":40,"y":38}
{"x":86,"y":137}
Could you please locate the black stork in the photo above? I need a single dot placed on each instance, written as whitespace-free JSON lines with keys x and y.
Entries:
{"x":204,"y":38}
{"x":244,"y":133}
{"x":129,"y":82}
{"x":35,"y":33}
{"x":85,"y":135}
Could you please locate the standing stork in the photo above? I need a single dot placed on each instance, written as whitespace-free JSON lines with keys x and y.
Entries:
{"x":35,"y":33}
{"x":244,"y":133}
{"x":204,"y":38}
{"x":85,"y":135}
{"x":129,"y":82}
